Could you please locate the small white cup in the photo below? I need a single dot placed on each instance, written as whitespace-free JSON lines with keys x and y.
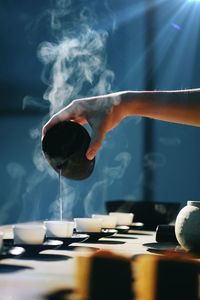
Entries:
{"x":107,"y":221}
{"x":123,"y":218}
{"x":62,"y":229}
{"x":29,"y":233}
{"x":88,"y":224}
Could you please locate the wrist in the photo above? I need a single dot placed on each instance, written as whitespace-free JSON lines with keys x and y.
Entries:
{"x":132,"y":103}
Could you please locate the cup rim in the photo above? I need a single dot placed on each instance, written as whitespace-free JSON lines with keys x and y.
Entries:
{"x":58,"y":222}
{"x":120,"y":213}
{"x":88,"y":219}
{"x":29,"y":226}
{"x":99,"y":216}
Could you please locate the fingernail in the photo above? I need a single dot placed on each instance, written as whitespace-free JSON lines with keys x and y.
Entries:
{"x":91,"y":154}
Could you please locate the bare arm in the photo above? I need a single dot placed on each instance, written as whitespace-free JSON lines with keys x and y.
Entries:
{"x":173,"y":106}
{"x":105,"y":112}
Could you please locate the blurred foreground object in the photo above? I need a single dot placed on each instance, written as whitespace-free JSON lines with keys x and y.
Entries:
{"x":165,"y":278}
{"x":104,"y":276}
{"x":107,"y":275}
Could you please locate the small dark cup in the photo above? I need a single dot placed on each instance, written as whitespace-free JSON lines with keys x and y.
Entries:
{"x":165,"y":233}
{"x":65,"y":146}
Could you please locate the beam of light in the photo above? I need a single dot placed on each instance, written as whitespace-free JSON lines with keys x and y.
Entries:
{"x":175,"y":43}
{"x":125,"y":13}
{"x":178,"y":48}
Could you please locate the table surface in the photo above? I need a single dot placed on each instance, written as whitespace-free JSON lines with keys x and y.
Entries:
{"x":53,"y":270}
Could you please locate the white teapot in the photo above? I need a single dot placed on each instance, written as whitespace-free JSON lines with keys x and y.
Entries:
{"x":187,"y":226}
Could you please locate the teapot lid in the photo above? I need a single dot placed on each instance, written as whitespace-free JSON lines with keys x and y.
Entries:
{"x":193,"y":203}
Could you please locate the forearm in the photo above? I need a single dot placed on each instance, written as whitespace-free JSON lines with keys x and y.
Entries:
{"x":173,"y":106}
{"x":105,"y":112}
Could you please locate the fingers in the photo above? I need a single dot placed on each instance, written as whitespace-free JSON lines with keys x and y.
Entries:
{"x":81,"y":112}
{"x":63,"y":115}
{"x":97,"y":138}
{"x":53,"y":121}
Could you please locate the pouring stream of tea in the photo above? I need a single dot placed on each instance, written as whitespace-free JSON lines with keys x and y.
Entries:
{"x":60,"y":196}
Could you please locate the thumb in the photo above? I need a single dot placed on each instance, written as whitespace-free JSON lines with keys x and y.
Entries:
{"x":97,"y":138}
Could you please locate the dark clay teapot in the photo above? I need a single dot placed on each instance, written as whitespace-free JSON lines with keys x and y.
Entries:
{"x":65,"y":146}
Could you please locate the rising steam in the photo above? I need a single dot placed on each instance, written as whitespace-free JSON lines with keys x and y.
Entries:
{"x":76,"y":63}
{"x":110,"y":174}
{"x":74,"y":66}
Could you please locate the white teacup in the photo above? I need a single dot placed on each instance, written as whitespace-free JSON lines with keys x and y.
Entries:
{"x":88,"y":224}
{"x":123,"y":218}
{"x":107,"y":221}
{"x":62,"y":229}
{"x":29,"y":233}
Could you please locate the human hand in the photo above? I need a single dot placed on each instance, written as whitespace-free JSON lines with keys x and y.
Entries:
{"x":102,"y":113}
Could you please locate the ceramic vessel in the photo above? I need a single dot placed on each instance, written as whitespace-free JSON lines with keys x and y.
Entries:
{"x":88,"y":224}
{"x":187,"y":226}
{"x":123,"y":218}
{"x":65,"y":146}
{"x":61,"y":229}
{"x":108,"y":222}
{"x":29,"y":233}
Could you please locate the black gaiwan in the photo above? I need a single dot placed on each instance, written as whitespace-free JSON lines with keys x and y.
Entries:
{"x":65,"y":146}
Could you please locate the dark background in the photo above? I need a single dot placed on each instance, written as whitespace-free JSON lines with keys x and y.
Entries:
{"x":150,"y":44}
